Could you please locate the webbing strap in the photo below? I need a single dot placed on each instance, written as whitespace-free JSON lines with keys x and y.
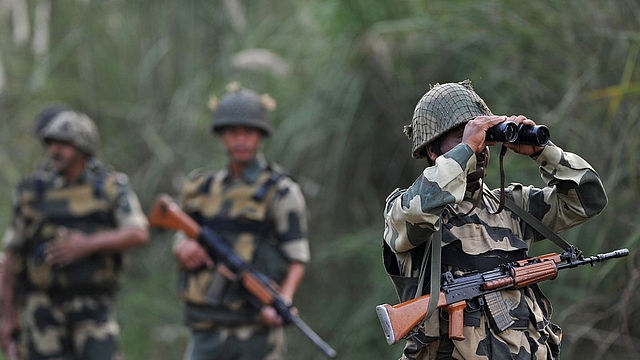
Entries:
{"x":537,"y":224}
{"x":527,"y":217}
{"x":503,"y":151}
{"x":436,"y":261}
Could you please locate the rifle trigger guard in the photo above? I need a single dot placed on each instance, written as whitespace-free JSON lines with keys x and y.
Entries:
{"x":475,"y":304}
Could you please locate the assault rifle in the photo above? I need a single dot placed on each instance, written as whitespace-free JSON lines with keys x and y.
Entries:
{"x":398,"y":320}
{"x":167,"y":214}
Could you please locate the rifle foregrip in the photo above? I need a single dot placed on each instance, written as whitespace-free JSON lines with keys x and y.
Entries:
{"x":497,"y":283}
{"x":456,"y":320}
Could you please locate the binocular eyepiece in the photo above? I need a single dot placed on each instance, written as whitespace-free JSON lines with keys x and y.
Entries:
{"x":508,"y":131}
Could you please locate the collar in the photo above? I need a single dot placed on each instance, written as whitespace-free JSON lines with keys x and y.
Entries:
{"x":60,"y":181}
{"x":251,"y":172}
{"x":88,"y":174}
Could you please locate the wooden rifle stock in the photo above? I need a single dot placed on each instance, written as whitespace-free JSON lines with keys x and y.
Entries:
{"x":398,"y":320}
{"x":167,"y":214}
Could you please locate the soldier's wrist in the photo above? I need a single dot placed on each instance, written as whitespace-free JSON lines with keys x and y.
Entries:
{"x":178,"y":244}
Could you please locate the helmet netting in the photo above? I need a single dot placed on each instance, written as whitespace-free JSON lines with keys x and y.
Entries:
{"x":441,"y":109}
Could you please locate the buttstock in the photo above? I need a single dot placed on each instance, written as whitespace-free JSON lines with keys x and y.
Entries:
{"x":168,"y":215}
{"x":399,"y":319}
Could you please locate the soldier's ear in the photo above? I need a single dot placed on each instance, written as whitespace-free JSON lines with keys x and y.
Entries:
{"x":432,"y":153}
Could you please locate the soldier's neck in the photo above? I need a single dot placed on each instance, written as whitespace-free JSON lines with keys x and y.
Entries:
{"x":236,"y":168}
{"x":73,"y":172}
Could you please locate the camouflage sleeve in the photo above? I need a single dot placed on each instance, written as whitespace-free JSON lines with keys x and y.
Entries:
{"x":411,"y":214}
{"x":127,"y":211}
{"x":13,"y":238}
{"x":289,"y":211}
{"x":574,"y":191}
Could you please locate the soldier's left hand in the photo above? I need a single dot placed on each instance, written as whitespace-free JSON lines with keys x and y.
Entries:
{"x":68,"y":247}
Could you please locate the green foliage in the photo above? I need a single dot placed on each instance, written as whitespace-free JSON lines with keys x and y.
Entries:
{"x":346,"y":76}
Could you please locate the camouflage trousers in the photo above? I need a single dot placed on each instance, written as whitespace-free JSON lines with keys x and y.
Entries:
{"x":250,"y":342}
{"x":540,"y":341}
{"x":80,"y":327}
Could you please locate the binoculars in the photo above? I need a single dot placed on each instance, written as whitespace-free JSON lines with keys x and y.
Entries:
{"x":508,"y":131}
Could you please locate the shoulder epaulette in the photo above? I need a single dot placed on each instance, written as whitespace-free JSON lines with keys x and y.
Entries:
{"x":277,"y":172}
{"x":201,"y":179}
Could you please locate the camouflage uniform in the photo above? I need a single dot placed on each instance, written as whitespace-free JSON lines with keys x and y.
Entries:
{"x":263,"y":215}
{"x":67,"y":311}
{"x":480,"y":240}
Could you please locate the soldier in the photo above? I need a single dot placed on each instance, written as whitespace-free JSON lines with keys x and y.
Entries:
{"x":261,"y":212}
{"x":73,"y":219}
{"x":449,"y":198}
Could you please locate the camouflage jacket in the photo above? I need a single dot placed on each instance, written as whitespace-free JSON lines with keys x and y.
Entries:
{"x":574,"y":194}
{"x":263,"y":215}
{"x":100,"y":200}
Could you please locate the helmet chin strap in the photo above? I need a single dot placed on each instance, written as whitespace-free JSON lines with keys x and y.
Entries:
{"x":503,"y":151}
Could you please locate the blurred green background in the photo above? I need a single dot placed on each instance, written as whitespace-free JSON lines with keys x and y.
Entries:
{"x":346,"y":76}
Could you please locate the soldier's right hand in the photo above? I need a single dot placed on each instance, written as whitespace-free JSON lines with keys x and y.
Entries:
{"x":191,"y":255}
{"x":476,"y":130}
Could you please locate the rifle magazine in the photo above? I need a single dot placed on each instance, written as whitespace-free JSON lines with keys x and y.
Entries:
{"x":499,"y":315}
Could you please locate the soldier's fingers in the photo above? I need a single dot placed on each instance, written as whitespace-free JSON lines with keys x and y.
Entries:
{"x":203,"y":258}
{"x":62,"y":232}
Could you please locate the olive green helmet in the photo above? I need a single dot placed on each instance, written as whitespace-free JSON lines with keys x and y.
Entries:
{"x":441,"y":109}
{"x":74,"y":128}
{"x":242,"y":107}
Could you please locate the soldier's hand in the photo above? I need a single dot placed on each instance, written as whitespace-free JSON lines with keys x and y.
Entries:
{"x":476,"y":130}
{"x":69,"y":246}
{"x":191,"y":255}
{"x":270,"y":317}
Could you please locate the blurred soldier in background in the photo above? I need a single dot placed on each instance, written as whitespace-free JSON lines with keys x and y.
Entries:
{"x":449,"y":126}
{"x":261,"y":212}
{"x":73,"y":219}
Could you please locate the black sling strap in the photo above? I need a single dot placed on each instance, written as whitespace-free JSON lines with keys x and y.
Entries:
{"x":436,"y":261}
{"x":537,"y":224}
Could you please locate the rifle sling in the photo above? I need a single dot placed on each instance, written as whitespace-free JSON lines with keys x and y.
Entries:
{"x":528,"y":218}
{"x":537,"y":224}
{"x":436,"y":260}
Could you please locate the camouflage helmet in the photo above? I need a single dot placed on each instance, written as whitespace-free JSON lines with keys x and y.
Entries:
{"x":45,"y":116}
{"x":441,"y":109}
{"x":75,"y":128}
{"x":242,"y":107}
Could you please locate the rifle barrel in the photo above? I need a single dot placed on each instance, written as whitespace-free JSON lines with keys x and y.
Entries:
{"x":595,"y":258}
{"x":315,"y":338}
